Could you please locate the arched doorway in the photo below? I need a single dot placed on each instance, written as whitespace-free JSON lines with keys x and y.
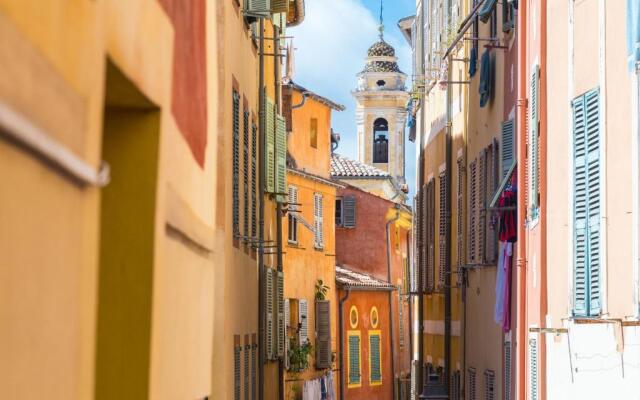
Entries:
{"x":380,"y":141}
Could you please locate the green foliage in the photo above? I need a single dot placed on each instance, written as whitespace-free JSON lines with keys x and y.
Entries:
{"x":299,"y":356}
{"x":321,"y":290}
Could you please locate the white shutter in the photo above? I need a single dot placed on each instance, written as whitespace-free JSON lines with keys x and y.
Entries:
{"x":257,"y":8}
{"x":287,"y":324}
{"x":268,"y":337}
{"x":533,"y":367}
{"x":303,"y":320}
{"x":318,"y":221}
{"x":281,"y":328}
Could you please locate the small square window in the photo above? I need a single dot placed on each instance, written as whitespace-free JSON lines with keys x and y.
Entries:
{"x":314,"y":133}
{"x":339,"y":213}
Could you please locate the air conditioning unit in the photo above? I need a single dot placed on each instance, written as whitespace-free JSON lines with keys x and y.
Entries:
{"x":279,"y":6}
{"x":257,"y":8}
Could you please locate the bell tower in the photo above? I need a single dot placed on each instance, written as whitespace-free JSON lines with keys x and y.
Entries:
{"x":381,"y":110}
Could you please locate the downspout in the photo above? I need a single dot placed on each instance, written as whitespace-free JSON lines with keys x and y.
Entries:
{"x":304,"y":100}
{"x":261,"y":162}
{"x":521,"y":341}
{"x":447,"y":239}
{"x":278,"y":95}
{"x":341,"y":344}
{"x":391,"y":335}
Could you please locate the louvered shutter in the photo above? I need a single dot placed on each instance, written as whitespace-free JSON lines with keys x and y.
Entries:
{"x":245,"y":172}
{"x":507,"y":154}
{"x":254,"y":367}
{"x":354,"y":360}
{"x":431,"y":229}
{"x":281,"y":333}
{"x":424,"y":267}
{"x":533,"y":368}
{"x":416,"y":283}
{"x":281,"y":156}
{"x":442,"y":199}
{"x":319,"y":223}
{"x":237,"y":384}
{"x":472,"y":244}
{"x":586,"y":204}
{"x":269,"y":327}
{"x":534,"y":138}
{"x":245,"y":381}
{"x":236,"y":163}
{"x":492,"y":185}
{"x":323,"y":334}
{"x":455,"y":386}
{"x":303,"y":320}
{"x":489,"y":385}
{"x":507,"y":370}
{"x":279,"y":6}
{"x":459,"y":214}
{"x":471,"y":372}
{"x":287,"y":325}
{"x":270,"y":149}
{"x":482,"y":211}
{"x":400,"y":318}
{"x":293,"y":210}
{"x":257,"y":8}
{"x":254,"y":180}
{"x":375,"y":368}
{"x":349,"y":212}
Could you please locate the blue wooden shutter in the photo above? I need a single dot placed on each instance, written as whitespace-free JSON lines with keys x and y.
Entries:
{"x":507,"y":154}
{"x":592,"y":101}
{"x":354,"y":360}
{"x":586,"y":204}
{"x":375,"y":369}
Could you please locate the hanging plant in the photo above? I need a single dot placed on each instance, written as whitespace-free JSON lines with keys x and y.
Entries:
{"x":299,"y":356}
{"x":321,"y":290}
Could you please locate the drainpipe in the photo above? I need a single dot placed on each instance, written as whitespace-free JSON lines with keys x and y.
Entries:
{"x":521,"y":341}
{"x":261,"y":294}
{"x":341,"y":344}
{"x":277,"y":83}
{"x":391,"y":335}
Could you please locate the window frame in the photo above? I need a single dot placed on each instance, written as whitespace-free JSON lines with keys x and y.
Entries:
{"x":292,"y":222}
{"x":350,"y":383}
{"x":313,"y":132}
{"x":372,"y":334}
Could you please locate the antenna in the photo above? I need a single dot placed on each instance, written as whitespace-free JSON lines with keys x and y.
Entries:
{"x":381,"y":27}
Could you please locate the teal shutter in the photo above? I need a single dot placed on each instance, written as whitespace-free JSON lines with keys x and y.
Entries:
{"x":534,"y":140}
{"x":586,"y":204}
{"x":354,"y":360}
{"x":507,"y":153}
{"x":281,"y":157}
{"x":236,"y":163}
{"x":269,"y":112}
{"x":375,"y":368}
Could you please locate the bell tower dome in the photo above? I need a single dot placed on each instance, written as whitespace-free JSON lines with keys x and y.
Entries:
{"x":381,"y":100}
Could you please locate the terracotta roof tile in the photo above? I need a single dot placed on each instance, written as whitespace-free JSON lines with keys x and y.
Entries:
{"x":342,"y":166}
{"x":349,"y":278}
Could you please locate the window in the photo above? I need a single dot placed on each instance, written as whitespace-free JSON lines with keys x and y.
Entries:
{"x":353,"y":317}
{"x":318,"y":219}
{"x":380,"y":141}
{"x":375,"y":358}
{"x":429,"y":235}
{"x":291,"y":215}
{"x":534,"y":195}
{"x":442,"y":226}
{"x":236,"y":163}
{"x":323,"y":332}
{"x":459,"y":214}
{"x":349,"y":212}
{"x":353,"y":359}
{"x":473,"y":212}
{"x":533,"y":368}
{"x":314,"y":133}
{"x":380,"y":83}
{"x":507,"y":148}
{"x":508,"y":15}
{"x":339,"y":214}
{"x":586,"y":204}
{"x":254,"y":180}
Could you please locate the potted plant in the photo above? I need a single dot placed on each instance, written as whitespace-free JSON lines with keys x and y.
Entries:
{"x":299,"y":355}
{"x":321,"y":290}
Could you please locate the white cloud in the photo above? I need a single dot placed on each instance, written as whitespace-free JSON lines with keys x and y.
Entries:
{"x":331,"y":45}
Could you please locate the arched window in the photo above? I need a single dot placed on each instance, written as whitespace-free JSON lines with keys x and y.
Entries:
{"x":380,"y":141}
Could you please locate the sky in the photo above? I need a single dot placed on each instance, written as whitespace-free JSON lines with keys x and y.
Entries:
{"x":331,"y":45}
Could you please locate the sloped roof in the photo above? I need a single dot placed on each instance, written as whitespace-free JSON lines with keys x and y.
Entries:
{"x":343,"y":167}
{"x":352,"y":279}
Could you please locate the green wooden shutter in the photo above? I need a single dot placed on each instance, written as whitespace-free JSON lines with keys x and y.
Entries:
{"x":533,"y":137}
{"x":281,"y":157}
{"x":270,"y":155}
{"x":375,"y":369}
{"x":269,"y":323}
{"x":586,"y":204}
{"x":473,"y":212}
{"x":349,"y":212}
{"x":442,"y":199}
{"x":236,"y":163}
{"x":507,"y":154}
{"x":281,"y":332}
{"x":354,"y":360}
{"x":323,"y":334}
{"x":254,"y":180}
